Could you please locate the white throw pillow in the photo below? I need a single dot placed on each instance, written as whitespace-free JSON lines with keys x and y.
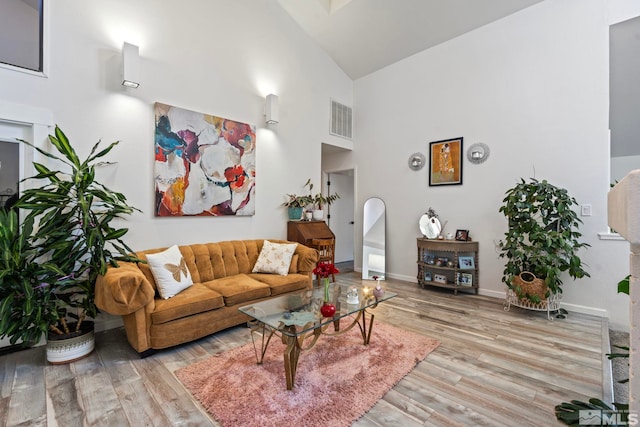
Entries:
{"x":275,"y":258}
{"x":170,"y":272}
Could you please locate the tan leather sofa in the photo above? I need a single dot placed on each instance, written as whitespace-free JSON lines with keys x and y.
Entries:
{"x":223,"y":281}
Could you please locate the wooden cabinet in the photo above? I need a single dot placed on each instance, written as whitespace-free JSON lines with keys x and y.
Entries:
{"x":306,"y":231}
{"x":448,"y":264}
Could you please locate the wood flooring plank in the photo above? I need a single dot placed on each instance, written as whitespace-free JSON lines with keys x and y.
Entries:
{"x":7,"y":374}
{"x":444,"y":406}
{"x":63,"y":397}
{"x":168,"y":392}
{"x":4,"y":411}
{"x":96,"y":392}
{"x":27,"y":404}
{"x":390,"y":415}
{"x":185,"y":411}
{"x":474,"y":395}
{"x":589,"y":388}
{"x":138,"y":405}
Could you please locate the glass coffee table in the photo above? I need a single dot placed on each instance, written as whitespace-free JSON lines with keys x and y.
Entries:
{"x":296,"y":319}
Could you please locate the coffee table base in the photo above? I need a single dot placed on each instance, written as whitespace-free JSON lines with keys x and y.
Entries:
{"x":296,"y":343}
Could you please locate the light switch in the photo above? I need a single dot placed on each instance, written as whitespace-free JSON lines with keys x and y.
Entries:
{"x":585,"y":210}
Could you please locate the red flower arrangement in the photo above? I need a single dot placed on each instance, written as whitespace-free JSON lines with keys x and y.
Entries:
{"x":325,"y":269}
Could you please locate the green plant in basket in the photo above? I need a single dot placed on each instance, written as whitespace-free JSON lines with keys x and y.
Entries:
{"x":542,"y":238}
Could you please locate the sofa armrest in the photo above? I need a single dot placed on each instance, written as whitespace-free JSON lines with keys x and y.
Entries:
{"x":123,"y":290}
{"x":307,"y":258}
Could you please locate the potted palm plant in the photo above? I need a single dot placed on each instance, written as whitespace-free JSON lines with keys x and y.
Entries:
{"x":66,"y":240}
{"x":542,"y":241}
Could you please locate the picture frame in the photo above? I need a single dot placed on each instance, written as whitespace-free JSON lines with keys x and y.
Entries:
{"x":445,"y":162}
{"x":462,"y":235}
{"x":466,"y":263}
{"x":465,"y":279}
{"x":439,"y":278}
{"x":199,"y":169}
{"x":427,"y":276}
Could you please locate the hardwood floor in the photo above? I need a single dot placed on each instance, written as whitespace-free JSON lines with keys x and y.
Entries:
{"x":493,"y":368}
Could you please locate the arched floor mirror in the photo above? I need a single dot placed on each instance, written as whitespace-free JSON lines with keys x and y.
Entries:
{"x":373,"y":239}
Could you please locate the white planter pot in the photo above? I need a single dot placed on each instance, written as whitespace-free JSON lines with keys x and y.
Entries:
{"x":318,"y":214}
{"x":70,"y":349}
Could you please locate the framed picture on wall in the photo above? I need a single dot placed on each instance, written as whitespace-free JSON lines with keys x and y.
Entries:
{"x":445,"y":162}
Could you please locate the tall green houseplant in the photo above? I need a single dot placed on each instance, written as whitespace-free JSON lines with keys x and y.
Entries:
{"x":26,"y":300}
{"x":66,"y":240}
{"x":543,"y":236}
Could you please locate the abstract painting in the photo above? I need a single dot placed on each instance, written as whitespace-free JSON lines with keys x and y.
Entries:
{"x":445,"y":162}
{"x":204,"y":165}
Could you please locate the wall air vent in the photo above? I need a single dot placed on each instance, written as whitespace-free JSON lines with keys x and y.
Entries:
{"x":341,"y":120}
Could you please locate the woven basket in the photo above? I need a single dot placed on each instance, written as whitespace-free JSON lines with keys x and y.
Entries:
{"x":527,"y":284}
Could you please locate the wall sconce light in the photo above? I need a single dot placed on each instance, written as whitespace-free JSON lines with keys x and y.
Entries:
{"x":478,"y":153}
{"x":130,"y":65}
{"x":416,"y":161}
{"x":271,"y":109}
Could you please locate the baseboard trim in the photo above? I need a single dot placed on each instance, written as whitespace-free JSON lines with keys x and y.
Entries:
{"x":576,"y":308}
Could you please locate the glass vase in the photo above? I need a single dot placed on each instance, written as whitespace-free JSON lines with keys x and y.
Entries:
{"x":327,"y":309}
{"x":325,"y":283}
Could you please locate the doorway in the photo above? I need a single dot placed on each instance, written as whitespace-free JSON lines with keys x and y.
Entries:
{"x":340,"y":214}
{"x":9,"y":171}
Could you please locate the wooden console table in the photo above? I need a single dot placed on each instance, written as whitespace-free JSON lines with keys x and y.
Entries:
{"x":448,"y":264}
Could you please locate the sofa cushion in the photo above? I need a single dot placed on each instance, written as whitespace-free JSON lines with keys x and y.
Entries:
{"x":169,"y":271}
{"x":275,"y":258}
{"x":197,"y":299}
{"x":239,"y":288}
{"x":283,"y":284}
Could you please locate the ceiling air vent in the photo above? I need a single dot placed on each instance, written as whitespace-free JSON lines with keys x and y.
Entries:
{"x":341,"y":120}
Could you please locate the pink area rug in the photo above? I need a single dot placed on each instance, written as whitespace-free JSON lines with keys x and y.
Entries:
{"x":337,"y":381}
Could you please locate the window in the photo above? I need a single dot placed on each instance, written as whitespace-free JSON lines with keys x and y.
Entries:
{"x":21,"y":34}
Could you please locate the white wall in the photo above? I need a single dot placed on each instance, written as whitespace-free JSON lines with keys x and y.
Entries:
{"x":621,"y":166}
{"x":219,"y":58}
{"x":534,"y":87}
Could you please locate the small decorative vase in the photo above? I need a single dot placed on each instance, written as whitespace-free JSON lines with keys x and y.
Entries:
{"x":318,"y":214}
{"x":378,"y":292}
{"x":327,"y":309}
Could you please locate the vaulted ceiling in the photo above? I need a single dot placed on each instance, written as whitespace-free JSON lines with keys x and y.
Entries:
{"x":363,"y":36}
